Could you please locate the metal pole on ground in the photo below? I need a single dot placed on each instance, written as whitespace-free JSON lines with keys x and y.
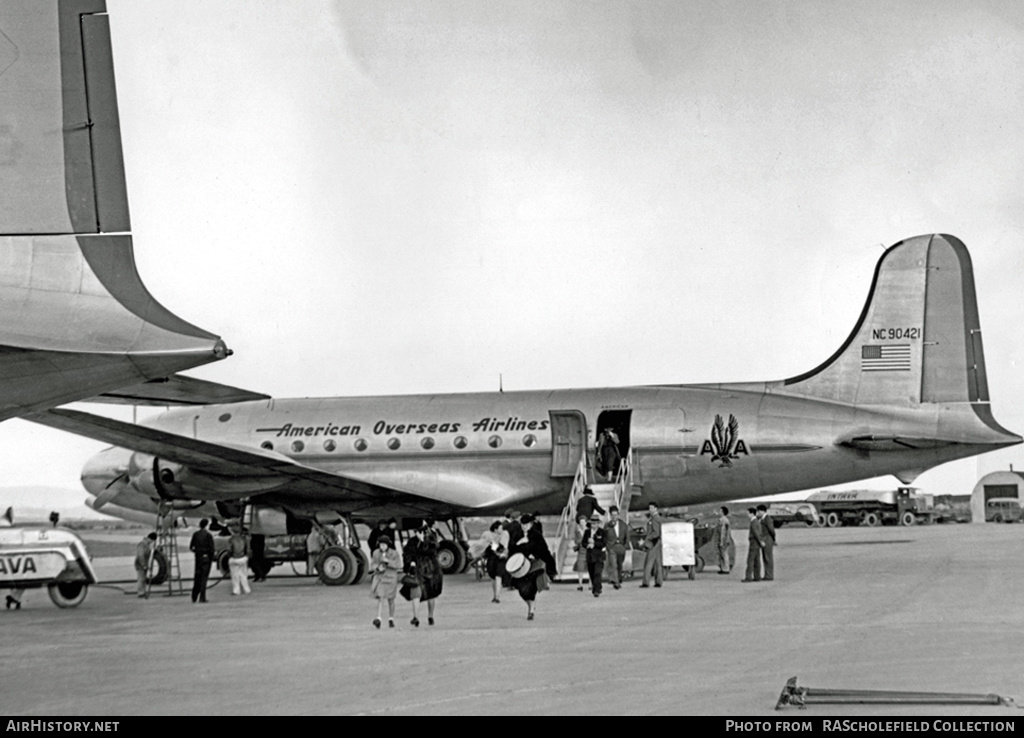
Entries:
{"x":803,"y":696}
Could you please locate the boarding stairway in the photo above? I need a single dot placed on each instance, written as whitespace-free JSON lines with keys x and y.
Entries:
{"x":618,"y":493}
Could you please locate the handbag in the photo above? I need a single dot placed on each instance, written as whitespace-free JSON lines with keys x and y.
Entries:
{"x":410,"y":580}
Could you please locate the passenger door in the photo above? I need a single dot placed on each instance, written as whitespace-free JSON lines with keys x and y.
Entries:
{"x":568,"y":441}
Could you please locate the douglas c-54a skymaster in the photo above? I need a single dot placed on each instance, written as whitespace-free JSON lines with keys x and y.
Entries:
{"x":905,"y":392}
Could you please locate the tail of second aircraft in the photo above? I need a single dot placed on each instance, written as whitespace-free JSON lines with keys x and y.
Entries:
{"x":77,"y":320}
{"x":918,"y":339}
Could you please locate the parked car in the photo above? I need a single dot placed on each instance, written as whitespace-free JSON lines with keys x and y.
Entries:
{"x":34,"y":556}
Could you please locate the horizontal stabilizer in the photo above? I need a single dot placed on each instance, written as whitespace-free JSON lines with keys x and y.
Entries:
{"x":893,"y":443}
{"x":177,"y":389}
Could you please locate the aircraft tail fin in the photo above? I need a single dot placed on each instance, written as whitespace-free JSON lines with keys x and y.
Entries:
{"x":61,"y":162}
{"x":77,"y":319}
{"x":918,"y":339}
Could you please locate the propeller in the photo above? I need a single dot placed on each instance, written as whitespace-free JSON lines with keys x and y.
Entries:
{"x":109,"y":492}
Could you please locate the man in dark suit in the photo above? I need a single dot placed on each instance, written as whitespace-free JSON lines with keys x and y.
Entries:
{"x":768,"y":547}
{"x":202,"y":546}
{"x":616,"y":539}
{"x":594,"y":541}
{"x":755,"y":539}
{"x":652,"y":548}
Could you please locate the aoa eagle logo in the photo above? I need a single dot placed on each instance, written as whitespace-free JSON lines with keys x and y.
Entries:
{"x":725,"y":443}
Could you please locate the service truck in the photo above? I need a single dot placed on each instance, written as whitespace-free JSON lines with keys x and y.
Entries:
{"x":902,"y":506}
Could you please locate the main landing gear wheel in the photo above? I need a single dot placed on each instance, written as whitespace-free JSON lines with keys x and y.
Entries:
{"x":68,"y":594}
{"x":222,"y":563}
{"x":337,"y":566}
{"x":451,"y":556}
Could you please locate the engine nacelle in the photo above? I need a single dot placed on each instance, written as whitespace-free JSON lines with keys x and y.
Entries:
{"x":167,"y":480}
{"x":141,"y":477}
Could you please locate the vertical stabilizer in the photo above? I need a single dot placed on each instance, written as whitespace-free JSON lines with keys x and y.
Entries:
{"x":918,"y":339}
{"x":77,"y":320}
{"x":61,"y":164}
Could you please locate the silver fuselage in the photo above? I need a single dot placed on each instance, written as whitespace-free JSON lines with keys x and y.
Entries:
{"x":480,"y":453}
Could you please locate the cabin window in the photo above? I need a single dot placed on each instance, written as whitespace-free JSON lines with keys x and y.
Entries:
{"x":298,"y":446}
{"x":394,"y":443}
{"x":267,"y":445}
{"x":330,"y":445}
{"x":460,"y":442}
{"x":360,"y":444}
{"x":427,"y":442}
{"x":529,"y":440}
{"x":225,"y":417}
{"x":494,"y":441}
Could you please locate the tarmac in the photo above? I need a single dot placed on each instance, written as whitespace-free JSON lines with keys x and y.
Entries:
{"x":932,"y":608}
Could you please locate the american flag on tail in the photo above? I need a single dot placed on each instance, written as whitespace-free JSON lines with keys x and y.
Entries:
{"x":889,"y":358}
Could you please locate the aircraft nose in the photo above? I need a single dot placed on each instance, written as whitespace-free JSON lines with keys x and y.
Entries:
{"x":101,"y":472}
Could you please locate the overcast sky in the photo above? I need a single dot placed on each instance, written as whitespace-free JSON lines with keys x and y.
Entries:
{"x":402,"y":197}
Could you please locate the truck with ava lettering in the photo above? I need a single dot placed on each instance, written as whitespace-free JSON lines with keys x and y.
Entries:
{"x":33,"y":556}
{"x":902,"y":506}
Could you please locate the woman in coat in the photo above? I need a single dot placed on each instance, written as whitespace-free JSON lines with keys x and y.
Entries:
{"x":385,"y":563}
{"x":420,"y":556}
{"x":542,"y":564}
{"x":494,"y":555}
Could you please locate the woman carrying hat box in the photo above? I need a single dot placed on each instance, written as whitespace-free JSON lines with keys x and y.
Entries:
{"x":530,"y":563}
{"x":385,"y":563}
{"x":421,"y":562}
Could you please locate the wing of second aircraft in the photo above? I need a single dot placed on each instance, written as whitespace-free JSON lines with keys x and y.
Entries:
{"x":254,"y":470}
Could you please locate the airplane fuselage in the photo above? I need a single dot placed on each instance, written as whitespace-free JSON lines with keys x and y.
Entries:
{"x":480,"y":453}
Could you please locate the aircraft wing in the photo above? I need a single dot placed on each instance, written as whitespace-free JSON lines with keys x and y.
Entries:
{"x":78,"y":320}
{"x":264,"y":468}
